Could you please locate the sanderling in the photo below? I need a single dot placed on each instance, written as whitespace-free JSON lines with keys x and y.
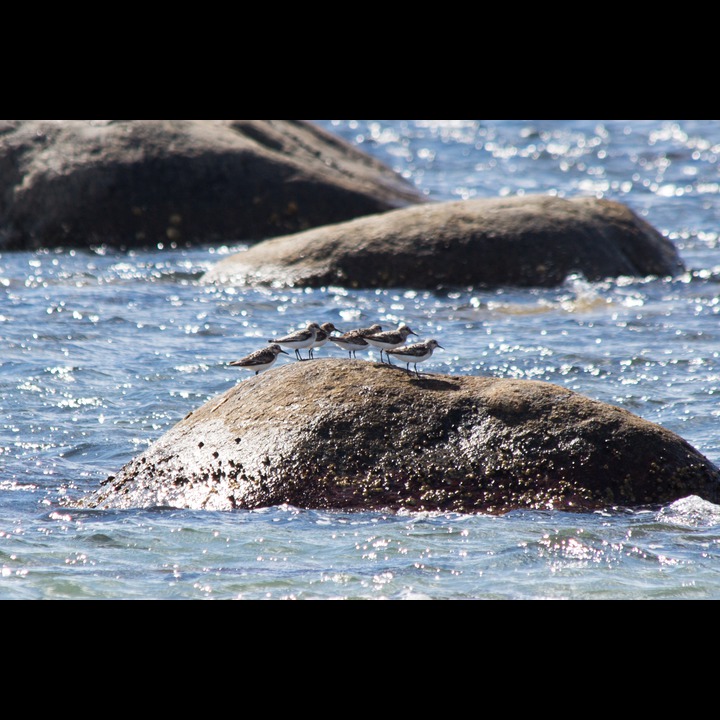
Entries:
{"x":323,"y":335}
{"x":372,"y":330}
{"x":260,"y":359}
{"x":390,"y":340}
{"x":299,"y":340}
{"x":417,"y":353}
{"x":354,"y":341}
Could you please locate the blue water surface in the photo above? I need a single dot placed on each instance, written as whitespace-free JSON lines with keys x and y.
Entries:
{"x":105,"y":351}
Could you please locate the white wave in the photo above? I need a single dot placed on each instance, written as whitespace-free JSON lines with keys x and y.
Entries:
{"x":692,"y":511}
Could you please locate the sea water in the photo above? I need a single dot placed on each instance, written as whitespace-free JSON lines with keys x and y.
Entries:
{"x":103,"y":352}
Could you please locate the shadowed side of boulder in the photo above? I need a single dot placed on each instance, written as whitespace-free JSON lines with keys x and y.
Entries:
{"x":524,"y":242}
{"x":357,"y":435}
{"x":138,"y":183}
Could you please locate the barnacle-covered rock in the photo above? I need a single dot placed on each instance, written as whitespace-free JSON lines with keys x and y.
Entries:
{"x":347,"y":434}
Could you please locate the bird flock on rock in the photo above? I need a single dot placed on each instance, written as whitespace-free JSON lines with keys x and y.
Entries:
{"x":391,"y":343}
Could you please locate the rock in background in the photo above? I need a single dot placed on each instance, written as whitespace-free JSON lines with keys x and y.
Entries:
{"x":533,"y":241}
{"x":137,"y":183}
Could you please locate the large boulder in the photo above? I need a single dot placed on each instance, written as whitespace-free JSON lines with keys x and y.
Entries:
{"x":131,"y":183}
{"x":520,"y":241}
{"x":350,"y":434}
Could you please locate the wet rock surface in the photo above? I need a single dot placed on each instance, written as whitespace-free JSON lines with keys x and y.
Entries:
{"x":137,"y":183}
{"x":357,"y":435}
{"x":523,"y":242}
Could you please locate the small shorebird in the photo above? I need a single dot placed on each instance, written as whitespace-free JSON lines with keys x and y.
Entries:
{"x":299,"y":340}
{"x":323,"y":335}
{"x":260,"y":359}
{"x":417,"y":353}
{"x":390,"y":340}
{"x":354,"y":341}
{"x":372,"y":330}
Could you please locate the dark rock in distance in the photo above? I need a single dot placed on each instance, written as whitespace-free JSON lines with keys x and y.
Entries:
{"x":533,"y":241}
{"x":138,"y":183}
{"x":357,"y":435}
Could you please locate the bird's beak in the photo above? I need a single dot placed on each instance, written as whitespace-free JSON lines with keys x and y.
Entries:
{"x":441,"y":347}
{"x":284,"y":352}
